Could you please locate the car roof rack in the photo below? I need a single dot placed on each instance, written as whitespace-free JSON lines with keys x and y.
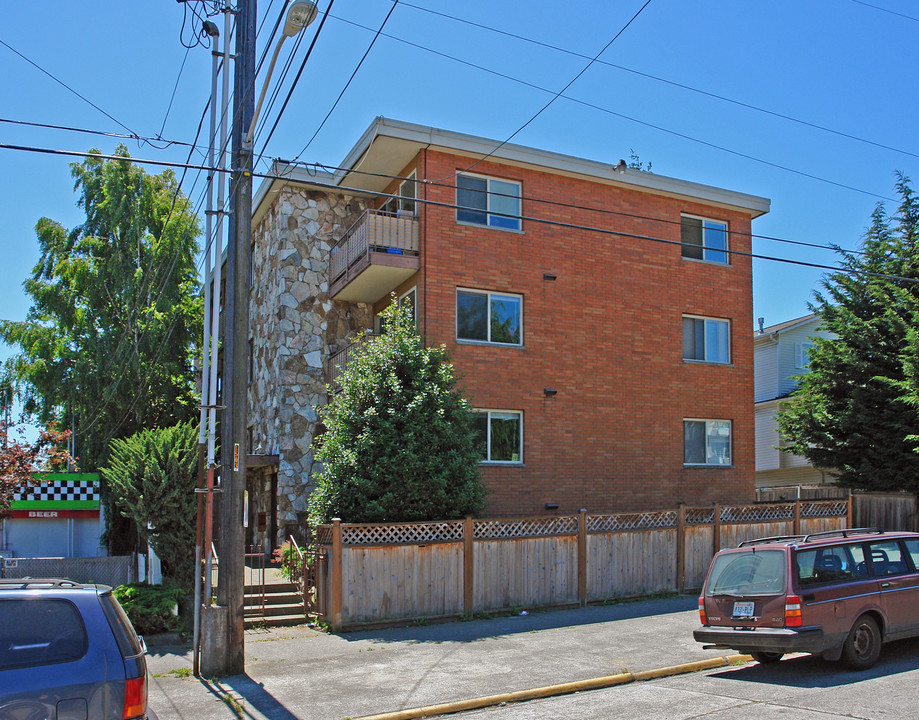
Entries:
{"x":845,"y":532}
{"x":27,"y":582}
{"x":773,"y":539}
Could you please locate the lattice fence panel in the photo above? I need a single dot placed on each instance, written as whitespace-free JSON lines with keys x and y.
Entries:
{"x":700,"y":516}
{"x":825,"y":508}
{"x":324,"y":535}
{"x":757,"y":513}
{"x":632,"y":521}
{"x":531,"y":527}
{"x":407,"y":534}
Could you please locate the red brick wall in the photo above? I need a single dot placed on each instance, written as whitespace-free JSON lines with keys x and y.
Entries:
{"x":606,"y":334}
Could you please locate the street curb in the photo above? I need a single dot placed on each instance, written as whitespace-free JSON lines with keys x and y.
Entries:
{"x":554,"y":690}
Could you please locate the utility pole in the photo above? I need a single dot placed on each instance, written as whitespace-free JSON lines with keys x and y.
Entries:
{"x":231,"y":568}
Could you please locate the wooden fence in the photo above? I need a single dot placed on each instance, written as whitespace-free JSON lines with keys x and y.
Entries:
{"x":884,"y":510}
{"x":371,"y":574}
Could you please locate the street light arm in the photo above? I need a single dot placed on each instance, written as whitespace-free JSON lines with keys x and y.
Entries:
{"x":258,"y":108}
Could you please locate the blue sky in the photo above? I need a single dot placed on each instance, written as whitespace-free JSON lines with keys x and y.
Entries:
{"x":842,"y":66}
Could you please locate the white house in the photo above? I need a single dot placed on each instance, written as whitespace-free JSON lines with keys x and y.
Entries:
{"x":779,"y":356}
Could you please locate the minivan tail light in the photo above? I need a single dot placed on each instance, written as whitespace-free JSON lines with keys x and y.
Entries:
{"x":792,"y":611}
{"x":702,"y":610}
{"x":135,"y":698}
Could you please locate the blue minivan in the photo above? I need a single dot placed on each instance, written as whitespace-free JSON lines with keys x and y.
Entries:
{"x":68,"y":652}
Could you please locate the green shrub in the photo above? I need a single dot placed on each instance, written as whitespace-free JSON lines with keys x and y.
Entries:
{"x":151,"y":608}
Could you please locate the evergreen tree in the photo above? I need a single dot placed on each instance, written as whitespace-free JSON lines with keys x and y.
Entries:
{"x":856,"y":413}
{"x":107,"y":345}
{"x":400,"y":444}
{"x":153,"y":474}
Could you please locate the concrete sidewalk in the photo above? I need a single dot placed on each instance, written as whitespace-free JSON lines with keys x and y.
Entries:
{"x":303,"y":673}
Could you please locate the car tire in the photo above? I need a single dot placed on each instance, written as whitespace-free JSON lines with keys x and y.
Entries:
{"x":767,"y":658}
{"x":863,"y":645}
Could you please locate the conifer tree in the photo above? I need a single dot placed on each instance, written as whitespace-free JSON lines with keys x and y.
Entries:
{"x":856,"y":413}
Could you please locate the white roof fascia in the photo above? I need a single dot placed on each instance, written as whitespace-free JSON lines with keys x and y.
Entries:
{"x":477,"y":147}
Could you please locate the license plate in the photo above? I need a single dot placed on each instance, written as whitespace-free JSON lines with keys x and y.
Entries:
{"x":743,"y":609}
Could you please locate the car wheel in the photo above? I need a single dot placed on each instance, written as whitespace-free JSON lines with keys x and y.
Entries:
{"x":863,"y":645}
{"x":767,"y":658}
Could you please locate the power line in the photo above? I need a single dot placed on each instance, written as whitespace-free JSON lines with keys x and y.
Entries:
{"x":607,"y":111}
{"x":174,"y":89}
{"x":350,"y":79}
{"x":656,"y":78}
{"x":122,"y":136}
{"x":65,"y":85}
{"x":878,"y":7}
{"x":560,"y":93}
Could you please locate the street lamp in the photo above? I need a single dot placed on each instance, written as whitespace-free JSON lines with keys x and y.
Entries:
{"x":300,"y":14}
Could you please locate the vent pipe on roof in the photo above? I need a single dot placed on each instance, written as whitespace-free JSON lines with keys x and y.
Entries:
{"x":761,"y":321}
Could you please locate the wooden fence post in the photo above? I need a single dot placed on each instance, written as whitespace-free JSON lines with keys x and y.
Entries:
{"x":716,"y":532}
{"x":582,"y":557}
{"x":468,"y":567}
{"x":681,"y":548}
{"x":849,"y":511}
{"x":336,"y":575}
{"x":796,"y":529}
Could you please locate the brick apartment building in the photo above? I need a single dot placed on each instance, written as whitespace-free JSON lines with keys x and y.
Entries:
{"x":597,"y":316}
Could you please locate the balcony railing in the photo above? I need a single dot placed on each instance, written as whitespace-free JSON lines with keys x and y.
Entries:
{"x":375,"y":255}
{"x":339,"y":361}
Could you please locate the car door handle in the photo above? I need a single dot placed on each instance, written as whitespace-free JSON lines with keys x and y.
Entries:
{"x":887,"y":584}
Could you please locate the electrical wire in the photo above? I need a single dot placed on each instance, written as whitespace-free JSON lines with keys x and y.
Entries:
{"x":560,"y":93}
{"x":174,"y":89}
{"x":67,"y":87}
{"x":613,"y":113}
{"x":878,"y":7}
{"x":656,"y":78}
{"x":350,"y":79}
{"x":121,"y":136}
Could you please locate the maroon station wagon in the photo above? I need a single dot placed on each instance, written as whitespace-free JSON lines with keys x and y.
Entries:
{"x":838,"y":594}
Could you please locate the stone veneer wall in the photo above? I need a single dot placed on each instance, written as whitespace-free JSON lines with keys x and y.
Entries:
{"x":295,"y":329}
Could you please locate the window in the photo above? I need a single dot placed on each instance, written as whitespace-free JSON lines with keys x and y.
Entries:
{"x":405,"y":203}
{"x":802,"y":354}
{"x":835,"y":563}
{"x":499,"y":435}
{"x":706,"y":339}
{"x":487,"y":201}
{"x":704,"y":239}
{"x":489,"y":317}
{"x":706,"y":442}
{"x":40,"y":631}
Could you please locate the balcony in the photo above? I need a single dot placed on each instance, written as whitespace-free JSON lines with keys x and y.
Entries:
{"x":338,"y":363}
{"x":377,"y":254}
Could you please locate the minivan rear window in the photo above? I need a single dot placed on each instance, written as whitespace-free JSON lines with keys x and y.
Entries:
{"x":39,"y":631}
{"x":748,"y":572}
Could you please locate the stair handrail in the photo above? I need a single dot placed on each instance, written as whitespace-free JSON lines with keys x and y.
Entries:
{"x":301,"y":586}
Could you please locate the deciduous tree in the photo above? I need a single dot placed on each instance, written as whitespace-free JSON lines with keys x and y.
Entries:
{"x":107,"y":345}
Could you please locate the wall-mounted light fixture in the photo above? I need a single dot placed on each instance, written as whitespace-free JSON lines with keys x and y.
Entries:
{"x":549,"y":276}
{"x":551,"y":506}
{"x":549,"y":392}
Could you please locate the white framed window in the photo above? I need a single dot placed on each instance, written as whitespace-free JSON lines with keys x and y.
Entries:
{"x":704,"y":239}
{"x":499,"y":435}
{"x":802,"y":354}
{"x":706,"y":442}
{"x":489,"y":317}
{"x":487,"y":201}
{"x":408,"y":194}
{"x":706,"y":339}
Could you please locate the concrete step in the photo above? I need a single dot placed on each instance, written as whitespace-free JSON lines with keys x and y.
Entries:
{"x":272,"y":598}
{"x":272,"y":610}
{"x":275,"y":620}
